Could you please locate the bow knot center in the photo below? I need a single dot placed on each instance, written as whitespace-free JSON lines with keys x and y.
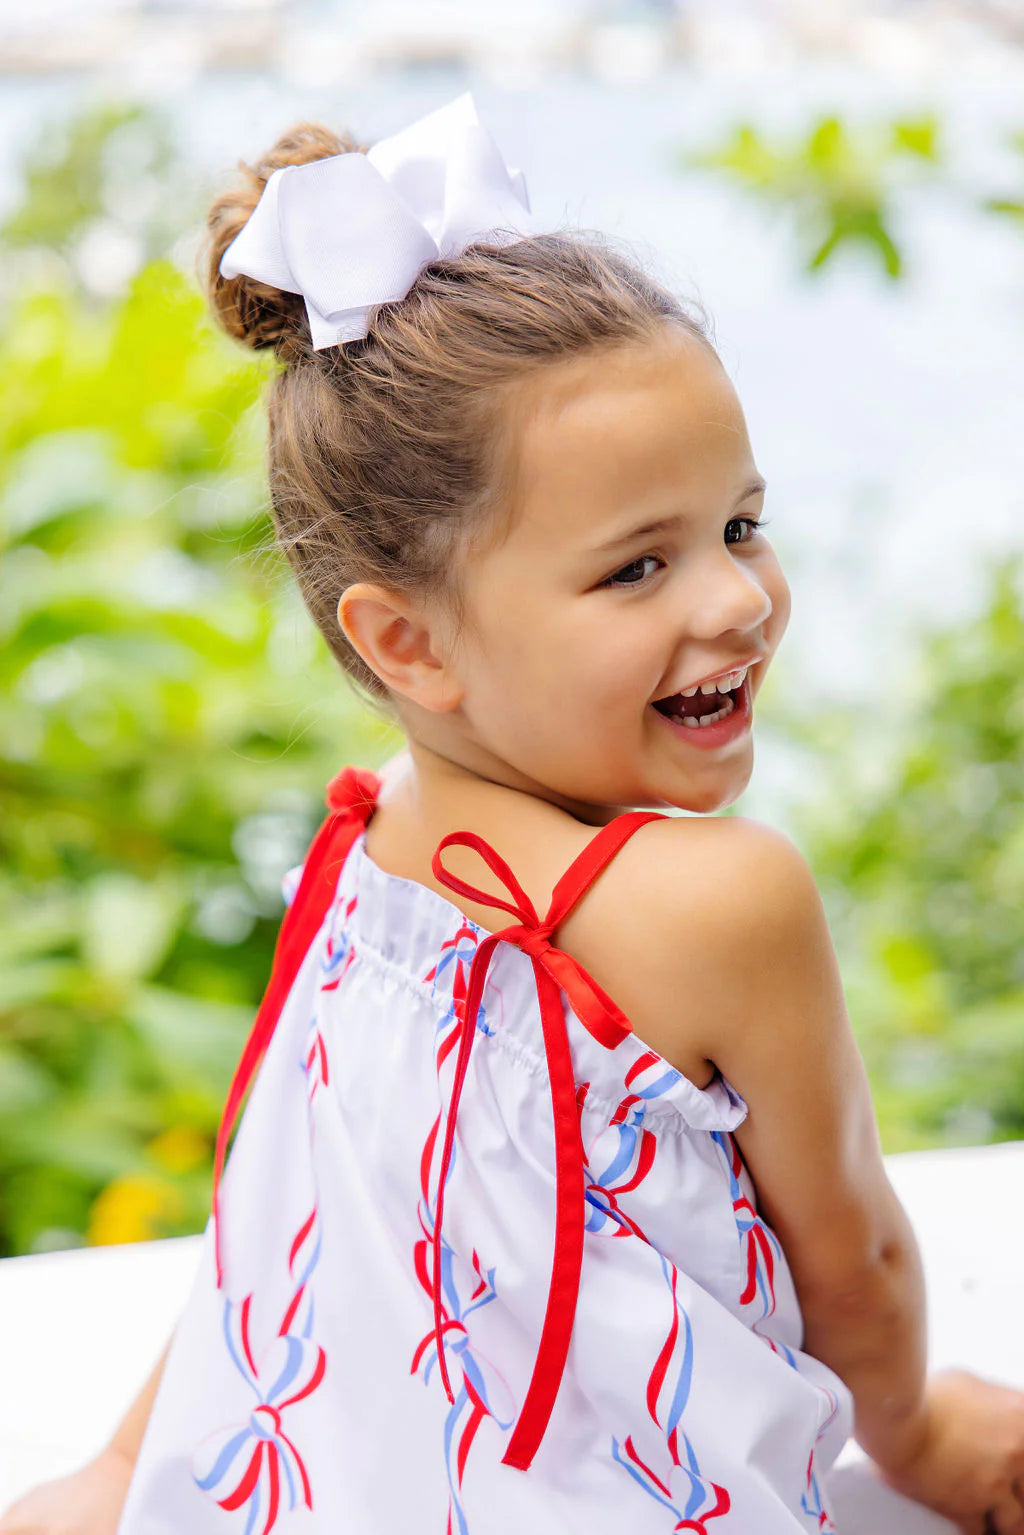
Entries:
{"x":353,"y":792}
{"x":265,"y":1421}
{"x":535,"y":941}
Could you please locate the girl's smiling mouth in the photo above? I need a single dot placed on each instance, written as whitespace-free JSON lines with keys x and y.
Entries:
{"x":711,"y":715}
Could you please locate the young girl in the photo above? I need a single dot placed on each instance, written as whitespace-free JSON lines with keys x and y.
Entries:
{"x":558,"y":1203}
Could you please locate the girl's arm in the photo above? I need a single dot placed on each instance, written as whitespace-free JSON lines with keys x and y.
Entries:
{"x":90,"y":1501}
{"x":811,"y":1145}
{"x":771,"y":1016}
{"x":128,"y":1434}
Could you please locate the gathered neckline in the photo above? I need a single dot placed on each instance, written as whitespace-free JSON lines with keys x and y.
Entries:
{"x":413,"y":945}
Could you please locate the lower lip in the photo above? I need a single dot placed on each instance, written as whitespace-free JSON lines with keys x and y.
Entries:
{"x":709,"y":737}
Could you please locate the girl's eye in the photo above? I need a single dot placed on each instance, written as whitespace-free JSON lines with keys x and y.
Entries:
{"x":634,"y":569}
{"x":755,"y":524}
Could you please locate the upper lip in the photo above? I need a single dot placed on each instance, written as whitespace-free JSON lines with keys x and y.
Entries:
{"x":714,"y":677}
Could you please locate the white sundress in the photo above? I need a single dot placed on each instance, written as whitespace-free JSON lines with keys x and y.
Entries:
{"x":619,"y":1331}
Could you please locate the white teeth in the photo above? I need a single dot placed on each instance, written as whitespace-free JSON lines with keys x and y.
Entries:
{"x":692,"y":723}
{"x":728,"y":684}
{"x":719,"y":714}
{"x":724,"y":685}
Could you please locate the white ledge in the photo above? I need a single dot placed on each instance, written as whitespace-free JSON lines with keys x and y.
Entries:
{"x":81,"y":1330}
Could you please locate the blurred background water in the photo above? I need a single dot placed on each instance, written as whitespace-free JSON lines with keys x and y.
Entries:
{"x":882,"y":388}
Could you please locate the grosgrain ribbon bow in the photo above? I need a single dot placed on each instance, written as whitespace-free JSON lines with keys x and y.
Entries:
{"x":353,"y":230}
{"x":555,"y":972}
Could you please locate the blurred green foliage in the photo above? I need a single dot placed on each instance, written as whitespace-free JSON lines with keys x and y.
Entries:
{"x":168,"y":717}
{"x":838,"y":184}
{"x":922,"y":870}
{"x":114,"y":165}
{"x":1011,"y":207}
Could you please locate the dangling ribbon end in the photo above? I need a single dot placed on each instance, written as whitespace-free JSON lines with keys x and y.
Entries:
{"x":516,"y":1458}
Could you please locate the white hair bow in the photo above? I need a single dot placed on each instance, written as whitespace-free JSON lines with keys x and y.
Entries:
{"x":354,"y":230}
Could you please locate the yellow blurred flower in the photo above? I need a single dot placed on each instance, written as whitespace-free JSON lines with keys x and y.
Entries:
{"x":181,"y":1149}
{"x":134,"y":1208}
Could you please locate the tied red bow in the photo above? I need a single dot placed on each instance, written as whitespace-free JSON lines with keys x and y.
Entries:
{"x":555,"y":972}
{"x":351,"y":799}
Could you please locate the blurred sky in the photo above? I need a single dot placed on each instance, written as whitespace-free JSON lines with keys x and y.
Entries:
{"x":885,"y":417}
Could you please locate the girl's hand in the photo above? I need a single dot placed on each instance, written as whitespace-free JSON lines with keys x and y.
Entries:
{"x":89,"y":1502}
{"x":970,"y":1464}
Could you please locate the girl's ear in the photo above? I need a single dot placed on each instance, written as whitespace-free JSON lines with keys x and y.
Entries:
{"x":396,"y":640}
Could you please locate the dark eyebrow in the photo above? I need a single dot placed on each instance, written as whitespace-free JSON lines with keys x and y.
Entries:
{"x":663,"y":524}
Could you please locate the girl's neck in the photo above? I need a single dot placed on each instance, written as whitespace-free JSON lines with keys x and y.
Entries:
{"x":434,"y":780}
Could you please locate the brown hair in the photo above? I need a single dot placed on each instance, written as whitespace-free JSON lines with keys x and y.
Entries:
{"x":386,"y":453}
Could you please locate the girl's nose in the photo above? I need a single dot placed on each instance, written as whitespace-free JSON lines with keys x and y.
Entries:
{"x":726,"y":594}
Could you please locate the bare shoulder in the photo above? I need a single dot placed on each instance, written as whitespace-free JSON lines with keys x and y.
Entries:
{"x":702,"y":866}
{"x":712,"y":936}
{"x":680,"y":925}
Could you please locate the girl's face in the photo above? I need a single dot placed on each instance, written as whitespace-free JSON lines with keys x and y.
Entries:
{"x":633,"y":568}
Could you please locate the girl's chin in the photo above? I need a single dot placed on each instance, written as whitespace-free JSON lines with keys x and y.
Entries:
{"x":722,"y":789}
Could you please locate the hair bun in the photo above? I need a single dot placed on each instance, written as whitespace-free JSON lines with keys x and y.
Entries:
{"x":252,"y":311}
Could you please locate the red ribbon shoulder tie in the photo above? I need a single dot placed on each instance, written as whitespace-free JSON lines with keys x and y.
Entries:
{"x":351,"y":798}
{"x":555,"y":972}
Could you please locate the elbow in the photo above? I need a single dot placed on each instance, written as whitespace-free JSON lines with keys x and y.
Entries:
{"x":853,"y":1285}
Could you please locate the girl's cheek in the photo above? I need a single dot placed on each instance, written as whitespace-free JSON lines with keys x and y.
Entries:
{"x":782,"y":603}
{"x":773,"y":579}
